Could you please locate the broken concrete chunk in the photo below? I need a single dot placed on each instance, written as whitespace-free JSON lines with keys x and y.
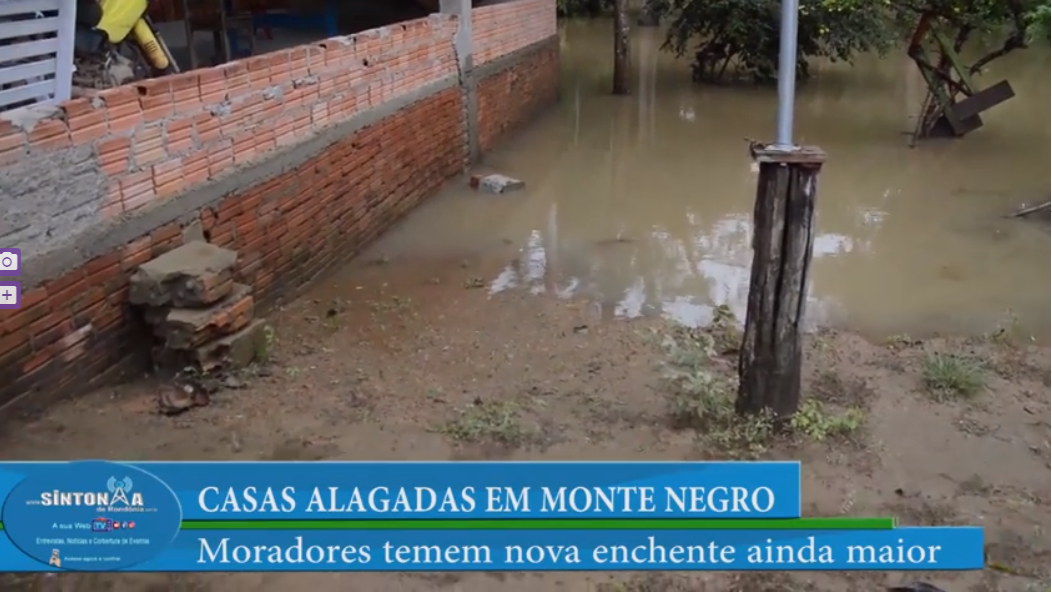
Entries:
{"x":234,"y":351}
{"x":195,"y":275}
{"x":496,"y":183}
{"x":187,"y":328}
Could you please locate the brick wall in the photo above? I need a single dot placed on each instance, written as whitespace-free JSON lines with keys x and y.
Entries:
{"x":294,"y":159}
{"x":501,"y":29}
{"x":511,"y":92}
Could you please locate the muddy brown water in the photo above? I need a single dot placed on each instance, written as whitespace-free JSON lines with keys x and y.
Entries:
{"x":644,"y":202}
{"x":639,"y":207}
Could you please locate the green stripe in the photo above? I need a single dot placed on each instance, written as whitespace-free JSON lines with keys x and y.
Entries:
{"x":838,"y":523}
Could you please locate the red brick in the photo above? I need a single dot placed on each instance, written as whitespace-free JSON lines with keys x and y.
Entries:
{"x":135,"y":253}
{"x":86,"y":122}
{"x":195,"y":168}
{"x":38,"y":361}
{"x":31,"y":298}
{"x":157,"y":105}
{"x":168,"y":178}
{"x":179,"y":136}
{"x":211,"y":86}
{"x":148,"y":145}
{"x":291,"y":226}
{"x":220,"y":158}
{"x":236,"y":76}
{"x":137,"y":190}
{"x":49,"y":134}
{"x":207,"y":127}
{"x":114,"y":156}
{"x":186,"y":92}
{"x":165,"y":233}
{"x":122,"y":109}
{"x":12,"y":341}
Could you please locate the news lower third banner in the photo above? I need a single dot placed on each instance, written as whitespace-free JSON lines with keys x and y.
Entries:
{"x":462,"y":516}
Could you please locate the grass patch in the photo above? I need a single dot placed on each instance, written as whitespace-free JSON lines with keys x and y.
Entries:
{"x":394,"y":304}
{"x":488,"y":421}
{"x":814,"y":421}
{"x":264,"y":348}
{"x":951,"y":376}
{"x":1008,"y":331}
{"x":701,"y":397}
{"x":702,"y":388}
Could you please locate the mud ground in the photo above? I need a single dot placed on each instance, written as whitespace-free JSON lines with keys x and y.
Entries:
{"x":394,"y":360}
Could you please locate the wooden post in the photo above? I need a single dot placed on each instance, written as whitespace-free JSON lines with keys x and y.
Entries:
{"x":783,"y":235}
{"x":225,"y":9}
{"x":188,"y":27}
{"x":621,"y":47}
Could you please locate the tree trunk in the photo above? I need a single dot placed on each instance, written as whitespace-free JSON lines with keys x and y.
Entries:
{"x":620,"y":47}
{"x":783,"y":235}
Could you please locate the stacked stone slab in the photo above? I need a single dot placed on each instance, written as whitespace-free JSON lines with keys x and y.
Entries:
{"x":198,"y":314}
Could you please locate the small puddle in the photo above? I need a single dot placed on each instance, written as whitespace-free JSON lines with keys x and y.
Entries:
{"x":644,"y":203}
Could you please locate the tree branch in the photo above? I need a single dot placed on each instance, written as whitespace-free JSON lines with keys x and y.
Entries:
{"x":1017,"y":40}
{"x":1013,"y":43}
{"x":962,"y":37}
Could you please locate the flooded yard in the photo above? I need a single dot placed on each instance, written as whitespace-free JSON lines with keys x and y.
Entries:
{"x":540,"y":325}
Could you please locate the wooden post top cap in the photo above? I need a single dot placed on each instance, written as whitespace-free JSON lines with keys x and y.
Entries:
{"x":795,"y":154}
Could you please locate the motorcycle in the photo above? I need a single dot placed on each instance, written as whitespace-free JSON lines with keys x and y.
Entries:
{"x":117,"y":43}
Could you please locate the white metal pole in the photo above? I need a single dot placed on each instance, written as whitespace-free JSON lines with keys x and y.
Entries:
{"x":787,"y":73}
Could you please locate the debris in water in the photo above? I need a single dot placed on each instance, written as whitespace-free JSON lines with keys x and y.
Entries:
{"x":1027,"y":210}
{"x":496,"y":183}
{"x":617,"y":240}
{"x":174,"y":400}
{"x":916,"y":587}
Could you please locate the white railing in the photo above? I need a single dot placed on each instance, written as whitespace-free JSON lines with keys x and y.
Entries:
{"x":36,"y":51}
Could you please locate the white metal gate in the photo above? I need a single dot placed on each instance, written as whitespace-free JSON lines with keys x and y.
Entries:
{"x":36,"y":51}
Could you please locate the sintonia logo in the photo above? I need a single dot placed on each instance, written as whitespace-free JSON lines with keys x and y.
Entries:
{"x":119,"y":494}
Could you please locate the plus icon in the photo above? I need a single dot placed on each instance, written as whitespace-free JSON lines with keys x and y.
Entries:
{"x":10,"y":295}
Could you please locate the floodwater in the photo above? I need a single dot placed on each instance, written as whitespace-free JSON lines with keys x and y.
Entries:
{"x":643,"y":204}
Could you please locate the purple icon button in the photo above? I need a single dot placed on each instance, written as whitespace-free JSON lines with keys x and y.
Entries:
{"x":10,"y":261}
{"x":10,"y":295}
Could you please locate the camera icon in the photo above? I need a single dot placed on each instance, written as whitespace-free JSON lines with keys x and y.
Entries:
{"x":10,"y":262}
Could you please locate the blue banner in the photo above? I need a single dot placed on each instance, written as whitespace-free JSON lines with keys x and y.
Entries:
{"x":438,"y":490}
{"x":926,"y":549}
{"x":463,"y":516}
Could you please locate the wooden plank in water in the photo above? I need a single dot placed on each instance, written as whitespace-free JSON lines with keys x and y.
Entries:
{"x":1026,"y":211}
{"x":957,"y":127}
{"x":983,"y":100}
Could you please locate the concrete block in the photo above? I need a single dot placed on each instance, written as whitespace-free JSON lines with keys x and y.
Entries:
{"x":187,"y":328}
{"x":234,"y":351}
{"x":195,"y":275}
{"x":496,"y":183}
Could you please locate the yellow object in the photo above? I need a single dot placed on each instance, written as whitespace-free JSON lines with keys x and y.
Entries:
{"x":119,"y":17}
{"x":150,"y":44}
{"x":123,"y":17}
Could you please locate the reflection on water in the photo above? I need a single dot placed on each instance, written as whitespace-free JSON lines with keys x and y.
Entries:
{"x":644,"y":203}
{"x":711,"y":267}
